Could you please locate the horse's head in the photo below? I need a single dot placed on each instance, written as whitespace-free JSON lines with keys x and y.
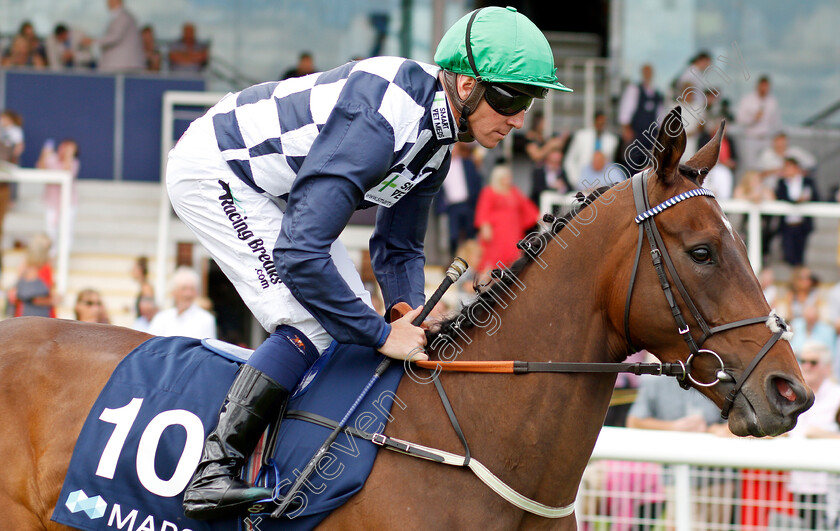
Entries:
{"x":714,"y":286}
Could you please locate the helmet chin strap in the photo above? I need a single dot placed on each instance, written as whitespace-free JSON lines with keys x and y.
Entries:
{"x":463,"y":107}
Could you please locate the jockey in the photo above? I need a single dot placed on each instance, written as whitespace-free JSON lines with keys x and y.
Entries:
{"x":270,"y":176}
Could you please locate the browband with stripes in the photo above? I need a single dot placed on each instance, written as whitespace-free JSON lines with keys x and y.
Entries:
{"x":647,"y":214}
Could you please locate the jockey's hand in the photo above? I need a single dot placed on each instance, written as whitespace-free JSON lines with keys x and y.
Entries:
{"x":405,"y":339}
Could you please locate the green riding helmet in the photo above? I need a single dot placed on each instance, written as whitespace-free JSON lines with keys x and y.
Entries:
{"x":499,"y":45}
{"x":496,"y":46}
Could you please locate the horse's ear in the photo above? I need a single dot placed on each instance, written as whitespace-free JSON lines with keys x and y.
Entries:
{"x":671,"y":140}
{"x":706,"y":158}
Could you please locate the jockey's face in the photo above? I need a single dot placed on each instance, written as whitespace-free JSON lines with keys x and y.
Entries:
{"x":489,"y":127}
{"x":486,"y":125}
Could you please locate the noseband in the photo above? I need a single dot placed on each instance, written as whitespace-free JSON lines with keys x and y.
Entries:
{"x":662,"y":260}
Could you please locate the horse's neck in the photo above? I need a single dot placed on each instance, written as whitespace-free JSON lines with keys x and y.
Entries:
{"x":536,"y":431}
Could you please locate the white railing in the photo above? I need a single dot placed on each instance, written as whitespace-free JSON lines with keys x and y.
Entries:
{"x":593,"y":70}
{"x":12,"y":173}
{"x":677,"y":492}
{"x":549,"y":202}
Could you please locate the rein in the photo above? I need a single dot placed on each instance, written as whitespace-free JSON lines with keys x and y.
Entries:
{"x":682,"y":370}
{"x":661,"y":261}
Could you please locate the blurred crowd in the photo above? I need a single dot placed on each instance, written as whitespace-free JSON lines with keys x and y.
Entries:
{"x":123,"y":46}
{"x":483,"y":211}
{"x":485,"y":207}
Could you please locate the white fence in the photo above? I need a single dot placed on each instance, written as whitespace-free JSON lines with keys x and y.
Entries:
{"x":644,"y":479}
{"x":15,"y":174}
{"x":550,"y":201}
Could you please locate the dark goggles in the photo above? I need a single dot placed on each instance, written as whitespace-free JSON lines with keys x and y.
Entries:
{"x":506,"y":100}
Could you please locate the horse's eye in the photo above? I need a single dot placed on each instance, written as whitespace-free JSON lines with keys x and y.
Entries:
{"x":701,"y":255}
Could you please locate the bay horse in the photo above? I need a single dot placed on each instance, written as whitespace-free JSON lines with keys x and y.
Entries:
{"x":582,"y":298}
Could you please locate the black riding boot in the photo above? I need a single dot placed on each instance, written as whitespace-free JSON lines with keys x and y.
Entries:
{"x":216,"y":491}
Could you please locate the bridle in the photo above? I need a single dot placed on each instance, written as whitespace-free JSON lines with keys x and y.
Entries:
{"x":682,"y":370}
{"x":662,"y":261}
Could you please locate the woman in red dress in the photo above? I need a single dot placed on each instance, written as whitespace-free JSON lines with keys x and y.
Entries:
{"x":502,"y":216}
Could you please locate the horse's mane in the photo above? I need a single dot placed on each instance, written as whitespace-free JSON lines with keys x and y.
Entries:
{"x":501,"y":280}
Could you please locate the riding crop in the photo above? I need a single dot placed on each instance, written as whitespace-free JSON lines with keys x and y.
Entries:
{"x":453,"y":272}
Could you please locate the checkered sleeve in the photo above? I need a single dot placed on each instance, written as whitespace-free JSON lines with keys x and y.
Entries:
{"x":351,"y":153}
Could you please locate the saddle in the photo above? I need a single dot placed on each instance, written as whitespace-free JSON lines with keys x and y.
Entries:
{"x":144,"y":434}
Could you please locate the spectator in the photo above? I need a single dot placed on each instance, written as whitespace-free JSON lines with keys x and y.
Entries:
{"x":146,"y":309}
{"x":11,"y":136}
{"x":11,"y":148}
{"x":769,"y":165}
{"x":36,"y":46}
{"x":692,"y":76}
{"x":811,"y":488}
{"x":66,"y":157}
{"x":33,"y":293}
{"x":154,"y":59}
{"x":503,"y":214}
{"x":767,"y":280}
{"x":536,"y":145}
{"x":459,"y":195}
{"x":694,"y":115}
{"x":795,"y":187}
{"x":64,"y":49}
{"x":833,"y":317}
{"x":719,"y":180}
{"x":188,"y":54}
{"x":596,"y":174}
{"x":725,"y":110}
{"x":304,"y":67}
{"x":186,"y":318}
{"x":140,"y":273}
{"x":758,"y":115}
{"x":751,"y":188}
{"x":810,"y":329}
{"x":803,"y":292}
{"x":584,"y":144}
{"x":772,"y":159}
{"x":90,"y":308}
{"x":662,"y":405}
{"x":20,"y":54}
{"x":121,"y":48}
{"x":550,"y":176}
{"x":640,"y":105}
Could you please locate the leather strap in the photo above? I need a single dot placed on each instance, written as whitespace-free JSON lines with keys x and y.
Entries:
{"x":377,"y":438}
{"x":526,"y":367}
{"x":451,"y":414}
{"x":469,"y":45}
{"x":730,"y":397}
{"x":440,"y":456}
{"x":729,"y":326}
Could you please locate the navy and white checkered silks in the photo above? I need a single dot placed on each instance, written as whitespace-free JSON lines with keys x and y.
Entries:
{"x":266,"y":131}
{"x":671,"y":202}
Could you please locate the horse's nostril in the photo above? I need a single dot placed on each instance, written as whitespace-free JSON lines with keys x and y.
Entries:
{"x":784,"y":389}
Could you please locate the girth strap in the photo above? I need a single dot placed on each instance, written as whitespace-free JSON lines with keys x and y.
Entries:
{"x":377,"y":438}
{"x":440,"y":456}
